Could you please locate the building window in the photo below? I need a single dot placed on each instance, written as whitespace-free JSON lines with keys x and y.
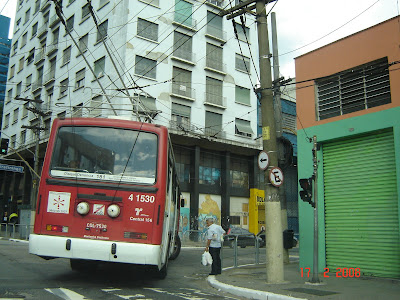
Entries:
{"x":24,"y":39}
{"x":182,"y":163}
{"x":239,"y":172}
{"x":85,"y":11}
{"x":353,"y":90}
{"x":15,"y":47}
{"x":56,"y":34}
{"x":214,"y":25}
{"x":99,"y":67}
{"x":183,"y":46}
{"x":243,"y":128}
{"x":183,"y":13}
{"x":66,"y":55}
{"x":242,"y":33}
{"x":25,"y":110}
{"x":21,"y":64}
{"x":180,"y":117}
{"x":12,"y":71}
{"x":80,"y":78}
{"x":95,"y":106}
{"x":242,"y":63}
{"x":15,"y":115}
{"x":13,"y":141}
{"x":31,"y":56}
{"x":214,"y":92}
{"x":182,"y":82}
{"x":147,"y":30}
{"x":19,"y":89}
{"x":63,"y":88}
{"x":213,"y":124}
{"x":214,"y":57}
{"x":27,"y":15}
{"x":34,"y":30}
{"x":102,"y":31}
{"x":242,"y":95}
{"x":209,"y":169}
{"x":77,"y":111}
{"x":145,"y":67}
{"x":9,"y":96}
{"x":70,"y":25}
{"x":83,"y":42}
{"x":22,"y":138}
{"x":28,"y":82}
{"x":37,"y":6}
{"x":6,"y":121}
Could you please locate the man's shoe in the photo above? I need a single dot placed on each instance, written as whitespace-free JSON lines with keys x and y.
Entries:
{"x":212,"y":274}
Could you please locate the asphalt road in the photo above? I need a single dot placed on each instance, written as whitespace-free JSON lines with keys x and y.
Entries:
{"x":25,"y":276}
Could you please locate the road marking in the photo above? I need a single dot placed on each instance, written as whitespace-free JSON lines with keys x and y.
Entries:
{"x":66,"y":294}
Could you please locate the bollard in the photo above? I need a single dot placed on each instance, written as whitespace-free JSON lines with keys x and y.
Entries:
{"x":235,"y":263}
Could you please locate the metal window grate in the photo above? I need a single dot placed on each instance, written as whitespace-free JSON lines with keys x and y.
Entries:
{"x":353,"y":90}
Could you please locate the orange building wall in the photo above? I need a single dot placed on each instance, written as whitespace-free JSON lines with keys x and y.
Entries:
{"x":368,"y":45}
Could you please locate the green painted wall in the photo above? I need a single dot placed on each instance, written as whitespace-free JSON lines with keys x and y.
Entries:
{"x":327,"y":132}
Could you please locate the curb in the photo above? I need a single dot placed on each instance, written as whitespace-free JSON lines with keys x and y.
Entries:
{"x":247,"y":293}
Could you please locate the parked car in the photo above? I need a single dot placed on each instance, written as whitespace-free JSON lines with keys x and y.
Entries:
{"x":244,"y":238}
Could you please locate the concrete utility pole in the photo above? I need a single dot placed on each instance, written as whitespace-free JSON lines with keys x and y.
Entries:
{"x":279,"y":124}
{"x":273,"y":222}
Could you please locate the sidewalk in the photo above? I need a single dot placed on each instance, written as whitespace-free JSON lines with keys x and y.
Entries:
{"x":250,"y":282}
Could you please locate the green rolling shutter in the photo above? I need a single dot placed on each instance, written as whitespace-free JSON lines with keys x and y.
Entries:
{"x":361,"y":205}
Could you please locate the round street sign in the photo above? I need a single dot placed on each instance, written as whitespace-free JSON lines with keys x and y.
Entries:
{"x":263,"y":160}
{"x":276,"y":176}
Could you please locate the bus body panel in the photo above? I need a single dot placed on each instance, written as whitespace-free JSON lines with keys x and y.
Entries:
{"x":54,"y":246}
{"x":143,"y":231}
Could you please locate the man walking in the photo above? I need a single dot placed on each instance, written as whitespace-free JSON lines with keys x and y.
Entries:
{"x":214,"y":237}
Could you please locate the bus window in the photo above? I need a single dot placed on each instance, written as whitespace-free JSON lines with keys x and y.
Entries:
{"x":117,"y":154}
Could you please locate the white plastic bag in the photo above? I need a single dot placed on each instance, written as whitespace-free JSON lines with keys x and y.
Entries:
{"x":206,"y":258}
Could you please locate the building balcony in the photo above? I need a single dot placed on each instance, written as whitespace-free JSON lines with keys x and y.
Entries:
{"x":216,"y":33}
{"x":54,"y":21}
{"x":151,"y":2}
{"x":45,"y":5}
{"x":42,"y":31}
{"x":215,"y":100}
{"x":217,"y":3}
{"x":185,"y":21}
{"x":50,"y":49}
{"x":182,"y":91}
{"x":37,"y":85}
{"x":215,"y":133}
{"x":215,"y":66}
{"x":181,"y":126}
{"x":49,"y":77}
{"x":184,"y":56}
{"x":39,"y":57}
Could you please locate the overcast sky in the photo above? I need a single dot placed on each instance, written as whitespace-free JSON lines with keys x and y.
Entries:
{"x":301,"y":22}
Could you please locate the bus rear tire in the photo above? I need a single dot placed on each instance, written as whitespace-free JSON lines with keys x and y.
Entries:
{"x":177,"y":248}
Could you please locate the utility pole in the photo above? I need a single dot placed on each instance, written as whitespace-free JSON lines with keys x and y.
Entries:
{"x":273,"y":222}
{"x":279,"y":125}
{"x":315,"y":278}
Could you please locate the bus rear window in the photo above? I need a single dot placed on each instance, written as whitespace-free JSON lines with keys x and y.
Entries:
{"x":105,"y":154}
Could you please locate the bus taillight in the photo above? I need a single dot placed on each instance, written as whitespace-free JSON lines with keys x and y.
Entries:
{"x":57,"y":228}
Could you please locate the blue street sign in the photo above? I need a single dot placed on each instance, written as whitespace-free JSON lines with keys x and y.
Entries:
{"x":11,"y":168}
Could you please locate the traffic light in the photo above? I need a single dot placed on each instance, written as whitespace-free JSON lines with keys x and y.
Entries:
{"x":306,"y":192}
{"x":4,"y":146}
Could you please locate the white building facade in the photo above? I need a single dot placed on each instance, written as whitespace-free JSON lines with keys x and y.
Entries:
{"x":175,"y":63}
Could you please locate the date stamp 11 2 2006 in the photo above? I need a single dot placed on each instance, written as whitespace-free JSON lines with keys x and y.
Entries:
{"x":340,"y":272}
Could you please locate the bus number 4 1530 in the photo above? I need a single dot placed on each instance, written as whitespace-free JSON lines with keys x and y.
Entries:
{"x":143,"y":198}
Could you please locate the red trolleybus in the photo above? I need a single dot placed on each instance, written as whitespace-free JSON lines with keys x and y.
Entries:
{"x":108,"y":193}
